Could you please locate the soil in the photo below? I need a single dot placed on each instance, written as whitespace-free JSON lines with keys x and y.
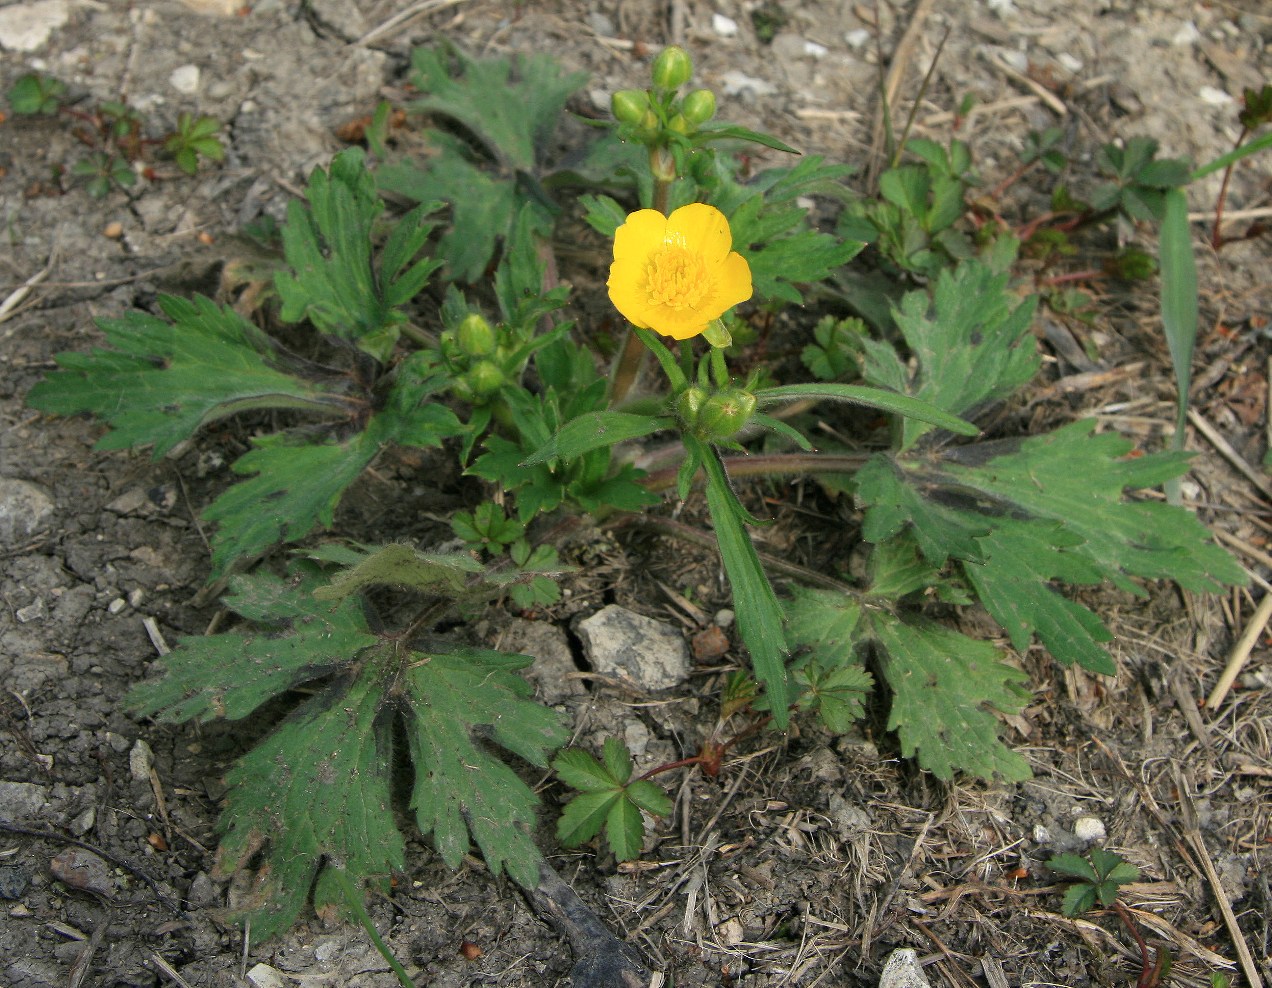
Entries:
{"x":810,"y":859}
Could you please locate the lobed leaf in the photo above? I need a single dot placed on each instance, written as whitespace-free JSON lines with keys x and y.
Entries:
{"x":462,"y":790}
{"x":162,"y":380}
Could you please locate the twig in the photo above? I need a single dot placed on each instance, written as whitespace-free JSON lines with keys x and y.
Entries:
{"x":1225,"y":449}
{"x":411,"y":12}
{"x":1044,"y":94}
{"x":15,"y":297}
{"x":1188,"y":820}
{"x":1241,"y":652}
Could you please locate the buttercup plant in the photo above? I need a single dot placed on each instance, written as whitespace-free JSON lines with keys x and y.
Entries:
{"x":416,"y":348}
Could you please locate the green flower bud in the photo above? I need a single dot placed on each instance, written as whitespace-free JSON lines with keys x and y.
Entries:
{"x":689,"y":403}
{"x":699,"y":106}
{"x":485,"y":378}
{"x":475,"y":337}
{"x":679,"y":124}
{"x":724,"y":413}
{"x":629,"y":106}
{"x":672,"y":68}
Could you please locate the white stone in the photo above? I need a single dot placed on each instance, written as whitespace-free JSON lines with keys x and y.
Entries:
{"x":622,"y":643}
{"x":22,"y":800}
{"x":726,"y":27}
{"x":36,"y":611}
{"x":1088,"y":828}
{"x":264,"y":976}
{"x":813,"y":50}
{"x":25,"y":508}
{"x":736,"y":83}
{"x":1003,"y":8}
{"x":1186,"y":36}
{"x":1041,"y":834}
{"x":185,"y":79}
{"x":1213,"y":96}
{"x":857,"y":39}
{"x":1070,"y":63}
{"x":27,"y":26}
{"x":903,"y":970}
{"x":140,"y":761}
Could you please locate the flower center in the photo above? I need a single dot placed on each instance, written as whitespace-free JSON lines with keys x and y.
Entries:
{"x":677,"y":277}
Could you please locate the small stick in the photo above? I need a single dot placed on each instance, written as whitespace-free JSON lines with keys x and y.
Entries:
{"x":1225,"y":449}
{"x":1241,"y":652}
{"x":1044,"y":94}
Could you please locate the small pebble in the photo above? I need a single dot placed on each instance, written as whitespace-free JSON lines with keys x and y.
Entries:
{"x":1041,"y":834}
{"x":116,"y":605}
{"x":136,"y":596}
{"x":857,"y":39}
{"x":185,"y":79}
{"x":726,"y":27}
{"x":140,"y":761}
{"x":36,"y":611}
{"x":1088,"y":828}
{"x":1213,"y":97}
{"x":113,"y":231}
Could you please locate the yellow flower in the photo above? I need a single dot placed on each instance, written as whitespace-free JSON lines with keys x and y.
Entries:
{"x":675,"y":274}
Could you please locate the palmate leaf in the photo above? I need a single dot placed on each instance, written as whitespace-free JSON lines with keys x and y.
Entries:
{"x":230,"y":675}
{"x":511,"y":106}
{"x":608,"y":798}
{"x":1020,"y":515}
{"x":771,"y":230}
{"x":334,"y":281}
{"x":943,"y":686}
{"x":298,"y":485}
{"x":461,"y":788}
{"x":317,"y":789}
{"x":970,"y":341}
{"x":162,"y":380}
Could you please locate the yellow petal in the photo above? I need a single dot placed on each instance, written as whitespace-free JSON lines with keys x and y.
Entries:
{"x":733,"y":282}
{"x":643,"y":232}
{"x":702,"y":229}
{"x":627,"y":289}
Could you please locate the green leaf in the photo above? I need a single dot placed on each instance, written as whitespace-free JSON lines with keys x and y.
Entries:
{"x":585,"y":815}
{"x":315,"y":789}
{"x":1075,"y":866}
{"x":333,"y":281}
{"x":603,"y":214}
{"x":617,"y":760}
{"x":462,"y":789}
{"x":436,"y":574}
{"x":943,"y":684}
{"x":1078,"y":899}
{"x":511,"y":104}
{"x":624,"y":829}
{"x":649,"y":797}
{"x":886,"y":401}
{"x":837,"y":694}
{"x":737,"y":133}
{"x":759,"y":614}
{"x":594,"y":430}
{"x":34,"y":93}
{"x":232,"y":674}
{"x":1022,"y":514}
{"x":1179,"y":302}
{"x":161,"y":381}
{"x":970,"y":342}
{"x":579,"y":770}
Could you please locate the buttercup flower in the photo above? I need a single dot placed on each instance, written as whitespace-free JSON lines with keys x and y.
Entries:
{"x":675,"y":274}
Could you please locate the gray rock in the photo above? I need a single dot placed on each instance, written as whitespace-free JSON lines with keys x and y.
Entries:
{"x":27,"y":26}
{"x":903,"y":970}
{"x":14,"y":881}
{"x":619,"y":642}
{"x":25,"y":508}
{"x":21,"y":800}
{"x":553,"y":673}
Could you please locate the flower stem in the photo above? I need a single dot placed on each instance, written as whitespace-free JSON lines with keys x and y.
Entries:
{"x":353,"y":900}
{"x":627,"y":369}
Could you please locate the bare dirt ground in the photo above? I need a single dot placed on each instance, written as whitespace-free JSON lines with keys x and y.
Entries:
{"x":810,"y":858}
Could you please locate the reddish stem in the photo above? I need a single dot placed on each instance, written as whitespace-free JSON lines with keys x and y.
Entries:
{"x":1216,"y":236}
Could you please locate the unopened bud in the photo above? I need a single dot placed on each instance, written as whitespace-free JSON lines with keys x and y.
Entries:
{"x":724,"y":413}
{"x":629,"y":106}
{"x":699,"y":106}
{"x":475,"y":337}
{"x":485,"y":378}
{"x":672,"y":68}
{"x":679,"y":124}
{"x":689,"y":403}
